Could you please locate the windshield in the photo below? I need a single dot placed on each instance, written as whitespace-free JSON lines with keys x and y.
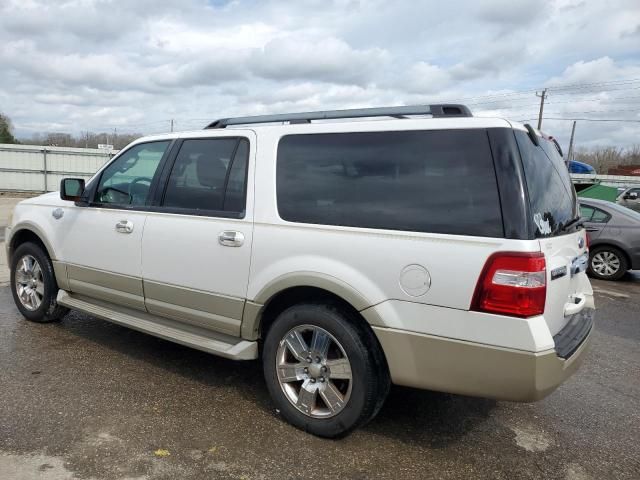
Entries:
{"x":552,"y":197}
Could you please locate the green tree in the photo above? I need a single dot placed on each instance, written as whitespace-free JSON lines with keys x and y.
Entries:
{"x":5,"y":130}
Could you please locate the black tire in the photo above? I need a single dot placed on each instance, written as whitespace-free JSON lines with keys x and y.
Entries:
{"x":49,"y":310}
{"x":607,"y":250}
{"x":370,"y":375}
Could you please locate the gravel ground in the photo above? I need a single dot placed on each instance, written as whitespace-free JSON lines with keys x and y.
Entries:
{"x":87,"y":399}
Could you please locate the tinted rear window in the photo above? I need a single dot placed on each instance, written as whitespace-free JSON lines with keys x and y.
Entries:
{"x":425,"y":181}
{"x":551,"y":194}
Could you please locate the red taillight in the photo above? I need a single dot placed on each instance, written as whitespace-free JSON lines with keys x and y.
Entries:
{"x":512,"y":283}
{"x":587,"y":241}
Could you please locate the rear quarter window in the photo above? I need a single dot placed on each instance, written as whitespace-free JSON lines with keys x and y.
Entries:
{"x":552,"y":197}
{"x":439,"y":181}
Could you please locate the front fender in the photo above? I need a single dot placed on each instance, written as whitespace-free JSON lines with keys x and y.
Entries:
{"x":32,"y":227}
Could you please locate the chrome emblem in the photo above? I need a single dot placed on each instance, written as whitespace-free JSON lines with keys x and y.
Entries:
{"x":57,"y":213}
{"x":580,"y":242}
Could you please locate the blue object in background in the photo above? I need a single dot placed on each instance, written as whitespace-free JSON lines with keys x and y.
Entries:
{"x":579,"y":167}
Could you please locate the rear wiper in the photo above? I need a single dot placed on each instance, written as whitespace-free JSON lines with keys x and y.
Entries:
{"x":578,"y":221}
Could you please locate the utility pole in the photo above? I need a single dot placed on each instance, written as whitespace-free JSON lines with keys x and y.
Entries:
{"x":573,"y":132}
{"x":542,"y":96}
{"x":115,"y":137}
{"x":172,"y":125}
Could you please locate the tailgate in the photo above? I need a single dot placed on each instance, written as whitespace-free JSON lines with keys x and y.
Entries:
{"x":568,"y":287}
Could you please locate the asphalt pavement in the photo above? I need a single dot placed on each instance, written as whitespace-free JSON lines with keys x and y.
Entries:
{"x":87,"y":399}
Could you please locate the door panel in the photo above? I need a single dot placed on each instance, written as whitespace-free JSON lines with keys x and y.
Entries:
{"x":101,"y":261}
{"x":102,"y":241}
{"x":594,"y":229}
{"x":195,"y":260}
{"x":190,"y":276}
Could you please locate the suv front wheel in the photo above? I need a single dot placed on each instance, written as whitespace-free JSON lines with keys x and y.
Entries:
{"x":33,"y":284}
{"x":324,"y":370}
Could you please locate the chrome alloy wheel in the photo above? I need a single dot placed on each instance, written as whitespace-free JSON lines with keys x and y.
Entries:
{"x":605,"y":263}
{"x":314,"y":371}
{"x":29,"y":282}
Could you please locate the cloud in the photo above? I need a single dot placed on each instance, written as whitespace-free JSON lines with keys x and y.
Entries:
{"x":99,"y":64}
{"x":512,"y":12}
{"x":591,"y":72}
{"x":323,"y":59}
{"x":423,"y":77}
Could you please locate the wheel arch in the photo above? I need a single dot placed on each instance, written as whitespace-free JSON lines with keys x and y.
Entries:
{"x":23,"y":233}
{"x":295,"y":288}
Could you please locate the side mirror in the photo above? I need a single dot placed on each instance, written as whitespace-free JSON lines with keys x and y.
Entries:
{"x":71,"y":189}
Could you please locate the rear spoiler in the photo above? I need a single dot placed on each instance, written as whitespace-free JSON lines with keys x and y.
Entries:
{"x":536,"y":141}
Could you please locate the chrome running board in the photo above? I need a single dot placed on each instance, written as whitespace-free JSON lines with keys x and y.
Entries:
{"x":188,"y":335}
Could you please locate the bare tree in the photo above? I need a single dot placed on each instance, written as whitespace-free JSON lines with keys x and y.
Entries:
{"x":84,"y":139}
{"x":605,"y":158}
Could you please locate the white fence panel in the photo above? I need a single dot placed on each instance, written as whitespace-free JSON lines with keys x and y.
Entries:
{"x":30,"y":168}
{"x":13,"y":157}
{"x":624,"y":181}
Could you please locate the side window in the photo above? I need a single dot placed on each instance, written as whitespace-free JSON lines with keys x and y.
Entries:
{"x":423,"y":181}
{"x":209,"y":175}
{"x":128,"y":180}
{"x":599,"y":216}
{"x":551,"y":194}
{"x":586,"y":212}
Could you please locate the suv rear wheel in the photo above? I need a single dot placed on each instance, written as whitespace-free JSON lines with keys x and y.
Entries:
{"x":33,"y":284}
{"x":325,"y":372}
{"x":607,"y":263}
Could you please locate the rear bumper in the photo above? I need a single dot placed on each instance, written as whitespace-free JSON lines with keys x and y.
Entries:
{"x":467,"y":368}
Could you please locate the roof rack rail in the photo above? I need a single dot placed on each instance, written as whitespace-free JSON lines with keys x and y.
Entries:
{"x":436,"y":110}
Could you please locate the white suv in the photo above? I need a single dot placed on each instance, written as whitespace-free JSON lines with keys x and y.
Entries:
{"x":414,"y":245}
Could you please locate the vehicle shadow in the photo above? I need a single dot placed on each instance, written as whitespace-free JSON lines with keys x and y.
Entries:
{"x":429,"y":419}
{"x":632,"y":276}
{"x":170,"y":357}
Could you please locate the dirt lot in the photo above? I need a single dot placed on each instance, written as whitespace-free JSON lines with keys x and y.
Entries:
{"x":87,"y":399}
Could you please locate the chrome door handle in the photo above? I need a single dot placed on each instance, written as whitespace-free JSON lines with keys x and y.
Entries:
{"x":231,"y":239}
{"x":124,"y":226}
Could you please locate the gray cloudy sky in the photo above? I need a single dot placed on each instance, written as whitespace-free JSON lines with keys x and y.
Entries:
{"x":133,"y":65}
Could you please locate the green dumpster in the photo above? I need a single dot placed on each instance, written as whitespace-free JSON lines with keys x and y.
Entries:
{"x":601,"y":192}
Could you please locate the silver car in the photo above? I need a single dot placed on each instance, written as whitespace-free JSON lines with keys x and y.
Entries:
{"x":614,"y":235}
{"x":630,"y":198}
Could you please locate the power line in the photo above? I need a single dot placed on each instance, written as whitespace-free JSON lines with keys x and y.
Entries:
{"x":595,"y":84}
{"x":590,"y":111}
{"x":595,"y":100}
{"x":592,"y":90}
{"x":585,"y":119}
{"x":559,"y":89}
{"x":602,"y":100}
